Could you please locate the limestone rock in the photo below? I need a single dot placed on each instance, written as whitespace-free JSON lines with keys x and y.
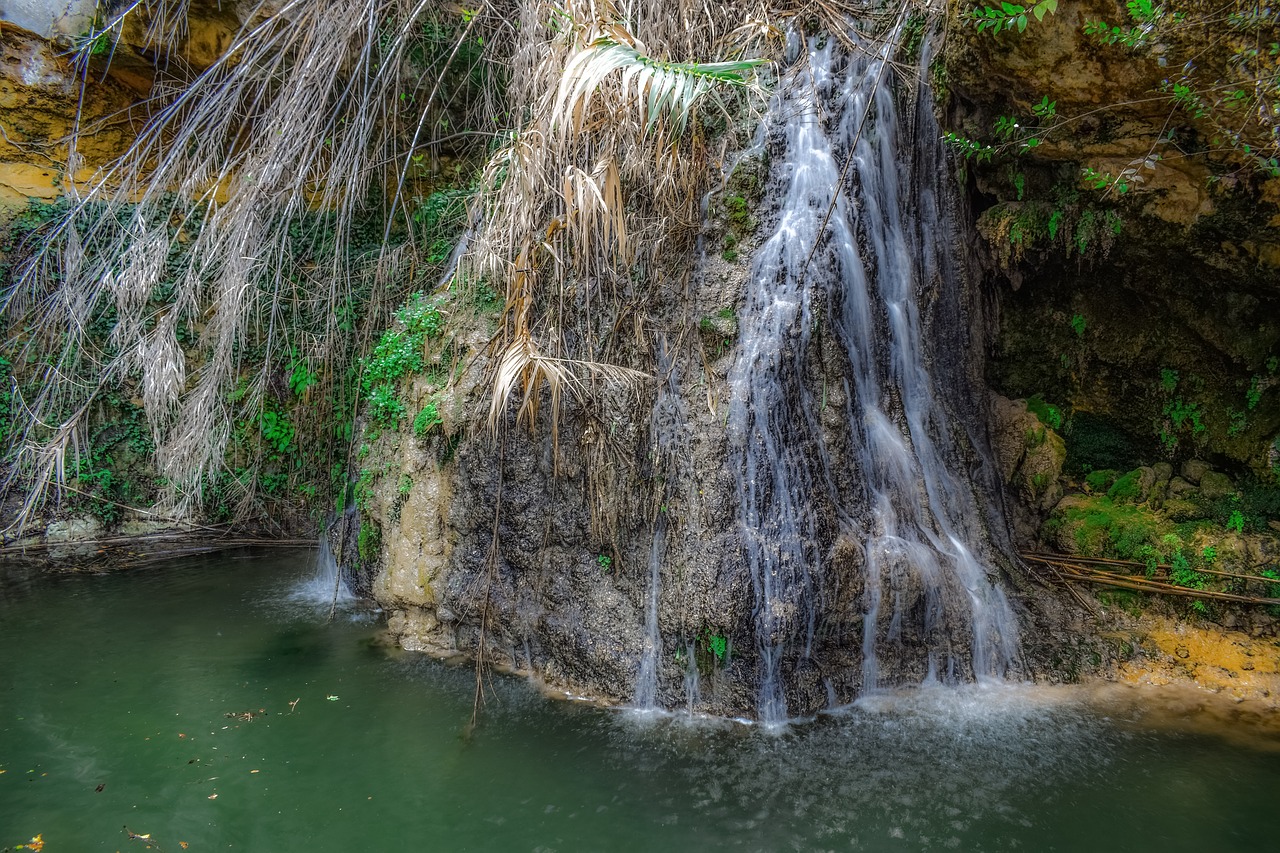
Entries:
{"x":1194,"y":469}
{"x":73,"y":530}
{"x":1214,"y":485}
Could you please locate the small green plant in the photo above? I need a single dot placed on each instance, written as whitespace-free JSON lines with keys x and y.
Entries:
{"x":277,"y":432}
{"x":1078,"y":324}
{"x":1181,"y":414}
{"x":1008,"y":16}
{"x":399,"y":352}
{"x":1168,"y":380}
{"x":1273,"y":589}
{"x":300,"y":377}
{"x":719,"y":646}
{"x":605,"y":562}
{"x":1150,"y":559}
{"x":1253,"y":396}
{"x":363,"y":492}
{"x":1049,"y":414}
{"x":427,"y":419}
{"x":1237,"y":422}
{"x":969,"y":149}
{"x":1235,"y":522}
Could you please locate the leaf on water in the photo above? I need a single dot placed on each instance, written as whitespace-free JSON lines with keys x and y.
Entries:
{"x":332,"y":698}
{"x":213,"y":796}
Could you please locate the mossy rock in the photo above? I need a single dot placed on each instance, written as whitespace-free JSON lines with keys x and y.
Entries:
{"x":1101,"y":481}
{"x":1096,"y":526}
{"x":1133,"y":487}
{"x":1181,"y":510}
{"x":1214,"y":485}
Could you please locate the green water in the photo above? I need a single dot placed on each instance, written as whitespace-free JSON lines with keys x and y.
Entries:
{"x":124,"y":683}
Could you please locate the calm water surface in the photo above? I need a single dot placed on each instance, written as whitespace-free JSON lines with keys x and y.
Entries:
{"x":119,"y":698}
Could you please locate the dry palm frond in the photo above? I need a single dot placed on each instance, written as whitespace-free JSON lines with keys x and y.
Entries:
{"x":524,"y":369}
{"x":597,"y":219}
{"x":657,"y":88}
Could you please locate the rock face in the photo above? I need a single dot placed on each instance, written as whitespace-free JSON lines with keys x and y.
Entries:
{"x":730,"y":537}
{"x":39,"y":97}
{"x":1153,"y":311}
{"x":40,"y":89}
{"x":785,"y":518}
{"x":621,"y":549}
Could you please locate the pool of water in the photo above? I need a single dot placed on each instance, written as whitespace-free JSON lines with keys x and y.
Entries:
{"x":211,"y":706}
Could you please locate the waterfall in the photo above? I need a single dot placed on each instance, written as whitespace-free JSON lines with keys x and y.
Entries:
{"x":671,"y":435}
{"x":325,"y":586}
{"x":646,"y":698}
{"x":857,"y":251}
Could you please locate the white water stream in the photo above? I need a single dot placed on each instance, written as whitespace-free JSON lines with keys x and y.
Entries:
{"x":860,"y":246}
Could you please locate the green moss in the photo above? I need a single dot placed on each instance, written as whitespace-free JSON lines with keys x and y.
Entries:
{"x":1100,"y":481}
{"x":1126,"y":489}
{"x":369,"y":541}
{"x":1103,"y":528}
{"x":1049,"y":414}
{"x":739,"y":216}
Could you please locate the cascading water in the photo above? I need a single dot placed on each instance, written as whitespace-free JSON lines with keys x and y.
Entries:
{"x":858,"y":246}
{"x":647,"y":679}
{"x":670,"y":429}
{"x":325,"y":586}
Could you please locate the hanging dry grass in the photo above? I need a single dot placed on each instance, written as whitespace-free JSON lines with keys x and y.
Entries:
{"x":321,"y":107}
{"x":305,"y":112}
{"x":596,"y":182}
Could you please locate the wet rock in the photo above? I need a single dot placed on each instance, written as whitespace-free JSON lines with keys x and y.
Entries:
{"x":1179,"y":488}
{"x":1163,"y":472}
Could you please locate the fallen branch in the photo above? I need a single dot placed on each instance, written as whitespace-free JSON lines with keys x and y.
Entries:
{"x":1086,"y":570}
